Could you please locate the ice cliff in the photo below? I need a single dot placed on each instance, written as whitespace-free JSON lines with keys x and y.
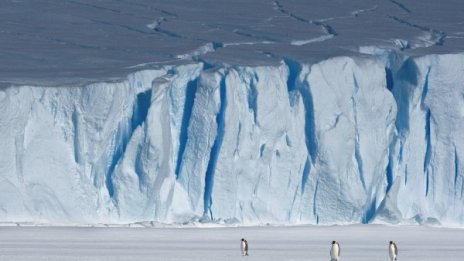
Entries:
{"x":368,"y":138}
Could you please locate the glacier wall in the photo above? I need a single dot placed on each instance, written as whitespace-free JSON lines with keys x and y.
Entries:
{"x":371,"y":138}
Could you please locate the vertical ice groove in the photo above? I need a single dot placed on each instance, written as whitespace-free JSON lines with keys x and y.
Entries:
{"x":293,"y":72}
{"x":370,"y":212}
{"x":75,"y":124}
{"x":406,"y":175}
{"x":400,"y":154}
{"x":357,"y":155}
{"x":462,"y":189}
{"x":357,"y":149}
{"x":291,"y":209}
{"x":190,"y":92}
{"x":237,"y":143}
{"x":427,"y":185}
{"x":314,"y":203}
{"x":120,"y":141}
{"x":215,"y":149}
{"x":407,"y":75}
{"x":287,"y":140}
{"x":428,"y":150}
{"x":252,"y":97}
{"x":124,"y":133}
{"x":261,"y":150}
{"x":140,"y":110}
{"x":391,"y":157}
{"x":389,"y":78}
{"x":456,"y":167}
{"x":389,"y":172}
{"x":304,"y":177}
{"x":310,"y":133}
{"x":138,"y":165}
{"x":425,"y":89}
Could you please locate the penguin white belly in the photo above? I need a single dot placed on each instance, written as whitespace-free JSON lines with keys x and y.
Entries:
{"x":334,"y":252}
{"x":243,"y":247}
{"x":392,"y":252}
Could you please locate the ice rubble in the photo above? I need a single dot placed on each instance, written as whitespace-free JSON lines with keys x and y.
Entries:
{"x":375,"y":138}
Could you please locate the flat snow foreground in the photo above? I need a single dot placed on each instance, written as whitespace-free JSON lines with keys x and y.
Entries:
{"x":357,"y":243}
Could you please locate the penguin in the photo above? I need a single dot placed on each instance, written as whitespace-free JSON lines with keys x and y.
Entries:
{"x":393,"y":251}
{"x":244,"y":247}
{"x":335,"y":251}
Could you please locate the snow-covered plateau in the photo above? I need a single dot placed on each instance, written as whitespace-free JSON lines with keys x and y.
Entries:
{"x":334,"y":112}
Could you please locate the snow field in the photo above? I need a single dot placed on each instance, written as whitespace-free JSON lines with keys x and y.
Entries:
{"x":358,"y":243}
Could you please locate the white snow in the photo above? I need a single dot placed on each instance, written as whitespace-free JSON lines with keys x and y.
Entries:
{"x":317,"y":39}
{"x":84,"y":41}
{"x":357,"y":243}
{"x":209,"y":47}
{"x":332,"y":112}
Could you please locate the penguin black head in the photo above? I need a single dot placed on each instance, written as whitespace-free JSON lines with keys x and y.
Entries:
{"x":333,"y":242}
{"x":243,"y":239}
{"x":391,"y":242}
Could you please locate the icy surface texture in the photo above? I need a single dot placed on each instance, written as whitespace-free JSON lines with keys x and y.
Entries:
{"x":320,"y":112}
{"x":347,"y":140}
{"x":49,"y":42}
{"x":297,"y":243}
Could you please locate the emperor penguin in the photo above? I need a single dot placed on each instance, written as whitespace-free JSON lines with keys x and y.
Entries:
{"x":393,"y":251}
{"x":335,"y":251}
{"x":244,"y":247}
